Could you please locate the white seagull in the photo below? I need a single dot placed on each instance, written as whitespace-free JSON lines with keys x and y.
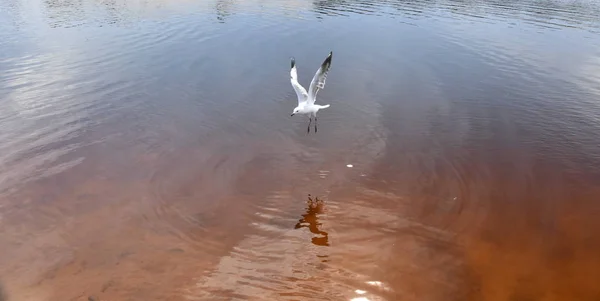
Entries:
{"x":306,"y":101}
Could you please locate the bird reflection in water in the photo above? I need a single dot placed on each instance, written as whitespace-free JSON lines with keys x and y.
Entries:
{"x":310,"y":220}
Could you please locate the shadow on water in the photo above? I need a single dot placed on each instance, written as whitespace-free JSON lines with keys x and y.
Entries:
{"x":310,"y":220}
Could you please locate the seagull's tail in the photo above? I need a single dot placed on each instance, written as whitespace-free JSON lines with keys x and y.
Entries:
{"x":323,"y":107}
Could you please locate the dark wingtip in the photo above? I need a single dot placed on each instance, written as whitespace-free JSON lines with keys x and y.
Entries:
{"x":293,"y":63}
{"x":328,"y":59}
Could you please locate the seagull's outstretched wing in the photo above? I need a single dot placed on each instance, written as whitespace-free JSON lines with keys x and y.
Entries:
{"x":300,"y":91}
{"x":318,"y":81}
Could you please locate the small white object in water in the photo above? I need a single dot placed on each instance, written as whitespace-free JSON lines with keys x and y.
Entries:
{"x":349,"y":165}
{"x":360,"y":292}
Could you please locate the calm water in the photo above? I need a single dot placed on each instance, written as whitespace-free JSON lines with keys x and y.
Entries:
{"x":147,"y":150}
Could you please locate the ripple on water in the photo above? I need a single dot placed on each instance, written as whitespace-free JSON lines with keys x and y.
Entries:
{"x":196,"y":204}
{"x":430,"y":135}
{"x":45,"y":117}
{"x":277,"y":261}
{"x":326,"y":253}
{"x":288,"y":249}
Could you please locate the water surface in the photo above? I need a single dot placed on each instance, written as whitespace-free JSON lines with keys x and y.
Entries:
{"x":147,"y":150}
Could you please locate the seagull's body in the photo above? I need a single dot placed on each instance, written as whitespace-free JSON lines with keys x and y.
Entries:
{"x":306,"y":100}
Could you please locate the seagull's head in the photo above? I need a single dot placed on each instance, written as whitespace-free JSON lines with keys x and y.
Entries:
{"x":296,"y":111}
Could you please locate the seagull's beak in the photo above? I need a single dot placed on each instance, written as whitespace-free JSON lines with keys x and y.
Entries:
{"x":292,"y":114}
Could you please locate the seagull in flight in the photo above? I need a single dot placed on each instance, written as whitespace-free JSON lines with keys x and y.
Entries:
{"x":306,"y":100}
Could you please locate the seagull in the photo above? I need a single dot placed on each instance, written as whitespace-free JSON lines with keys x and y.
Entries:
{"x":306,"y":100}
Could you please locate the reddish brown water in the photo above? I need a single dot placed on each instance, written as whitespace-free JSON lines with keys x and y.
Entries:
{"x":147,"y":151}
